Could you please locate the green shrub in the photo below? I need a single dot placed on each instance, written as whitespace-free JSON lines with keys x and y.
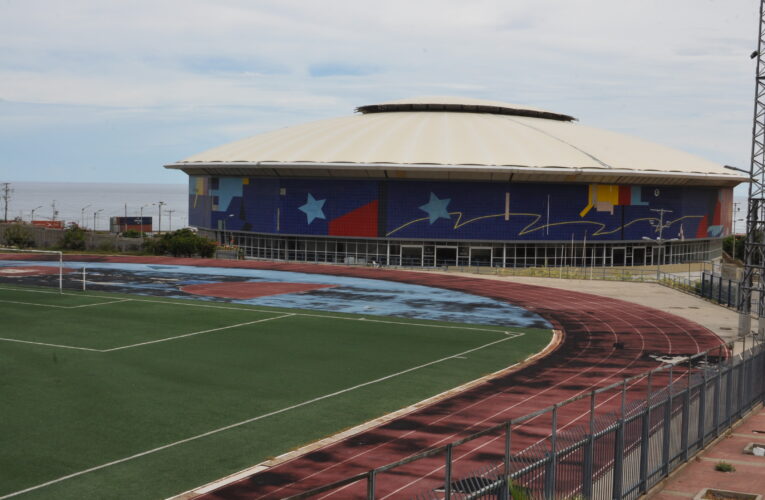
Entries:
{"x":17,"y":235}
{"x":724,"y":467}
{"x":107,"y":246}
{"x":181,"y":243}
{"x":131,"y":233}
{"x":74,"y":238}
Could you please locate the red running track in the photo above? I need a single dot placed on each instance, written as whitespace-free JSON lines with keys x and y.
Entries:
{"x":605,"y":340}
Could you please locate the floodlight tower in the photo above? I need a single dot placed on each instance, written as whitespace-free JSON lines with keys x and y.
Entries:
{"x":754,"y":253}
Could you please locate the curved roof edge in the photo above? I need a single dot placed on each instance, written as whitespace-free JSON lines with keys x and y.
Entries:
{"x":460,"y":172}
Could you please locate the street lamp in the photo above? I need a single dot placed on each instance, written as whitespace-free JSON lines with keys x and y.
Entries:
{"x":660,"y":226}
{"x":82,"y":215}
{"x":142,"y":219}
{"x":32,"y":217}
{"x":95,"y":214}
{"x":159,"y":209}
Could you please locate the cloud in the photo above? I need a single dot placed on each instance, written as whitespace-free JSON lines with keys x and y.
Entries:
{"x":339,"y":69}
{"x":676,"y":72}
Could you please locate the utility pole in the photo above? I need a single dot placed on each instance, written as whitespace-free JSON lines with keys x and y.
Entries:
{"x":170,"y":219}
{"x":5,"y":194}
{"x":754,"y":254}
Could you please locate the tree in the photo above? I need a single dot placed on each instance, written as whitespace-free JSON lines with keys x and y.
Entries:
{"x":18,"y":235}
{"x":181,"y":243}
{"x":74,"y":238}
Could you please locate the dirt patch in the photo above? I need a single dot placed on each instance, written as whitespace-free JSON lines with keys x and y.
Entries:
{"x":250,"y":289}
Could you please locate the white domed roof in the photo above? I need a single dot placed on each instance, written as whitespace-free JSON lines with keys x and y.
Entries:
{"x":448,"y":135}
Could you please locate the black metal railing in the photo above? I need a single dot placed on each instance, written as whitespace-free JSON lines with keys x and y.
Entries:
{"x":632,"y":434}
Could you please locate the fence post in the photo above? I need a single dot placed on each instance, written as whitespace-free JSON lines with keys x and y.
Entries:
{"x":703,"y":403}
{"x":684,"y":426}
{"x":619,"y":448}
{"x":729,"y":392}
{"x":719,"y":291}
{"x":371,"y":483}
{"x":667,"y":425}
{"x":729,"y":287}
{"x":741,"y":382}
{"x":508,"y":437}
{"x":553,"y":463}
{"x":703,"y":282}
{"x":588,"y":452}
{"x":644,"y":440}
{"x":718,"y":390}
{"x":448,"y":473}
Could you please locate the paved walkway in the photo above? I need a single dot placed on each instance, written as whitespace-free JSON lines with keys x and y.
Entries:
{"x":700,"y":473}
{"x":719,"y":319}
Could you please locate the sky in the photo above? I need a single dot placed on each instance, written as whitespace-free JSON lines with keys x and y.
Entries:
{"x":110,"y":91}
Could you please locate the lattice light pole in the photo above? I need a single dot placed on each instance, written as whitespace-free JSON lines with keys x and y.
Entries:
{"x":754,"y":261}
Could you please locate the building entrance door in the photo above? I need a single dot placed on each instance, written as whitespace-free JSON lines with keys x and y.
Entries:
{"x":446,"y":256}
{"x":619,"y":256}
{"x":639,"y":256}
{"x":480,"y":256}
{"x":411,"y":255}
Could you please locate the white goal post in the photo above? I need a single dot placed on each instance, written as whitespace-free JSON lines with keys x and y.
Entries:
{"x":8,"y":251}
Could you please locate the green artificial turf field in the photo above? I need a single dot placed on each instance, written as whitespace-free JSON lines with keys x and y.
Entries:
{"x":134,"y":397}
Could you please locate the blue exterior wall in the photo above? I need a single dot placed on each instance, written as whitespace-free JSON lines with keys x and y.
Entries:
{"x":456,"y":210}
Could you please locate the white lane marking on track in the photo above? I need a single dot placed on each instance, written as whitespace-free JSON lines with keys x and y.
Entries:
{"x":468,"y":452}
{"x":195,"y":333}
{"x":473,"y":450}
{"x":508,"y":336}
{"x":604,"y":313}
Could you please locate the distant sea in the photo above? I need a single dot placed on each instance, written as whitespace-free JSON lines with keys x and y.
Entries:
{"x":67,"y":199}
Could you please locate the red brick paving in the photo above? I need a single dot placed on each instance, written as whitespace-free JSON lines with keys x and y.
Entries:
{"x":700,"y":473}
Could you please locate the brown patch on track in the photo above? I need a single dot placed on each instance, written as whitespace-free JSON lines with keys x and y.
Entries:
{"x":21,"y":271}
{"x":250,"y":289}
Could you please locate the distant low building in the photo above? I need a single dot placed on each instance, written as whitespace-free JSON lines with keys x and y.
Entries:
{"x":124,"y":224}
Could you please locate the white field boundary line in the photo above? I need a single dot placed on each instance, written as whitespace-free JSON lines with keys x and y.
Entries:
{"x":247,"y":309}
{"x":50,"y":345}
{"x":130,"y":346}
{"x":18,"y":302}
{"x":195,"y":333}
{"x":508,"y":336}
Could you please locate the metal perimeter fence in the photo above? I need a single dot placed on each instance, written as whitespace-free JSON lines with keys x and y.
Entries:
{"x":706,"y":284}
{"x":627,"y":437}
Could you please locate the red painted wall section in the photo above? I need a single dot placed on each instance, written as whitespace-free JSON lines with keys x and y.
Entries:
{"x":359,"y":222}
{"x":625,"y":195}
{"x":701,"y":232}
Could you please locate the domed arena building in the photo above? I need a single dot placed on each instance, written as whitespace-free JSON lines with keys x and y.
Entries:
{"x":452,"y":181}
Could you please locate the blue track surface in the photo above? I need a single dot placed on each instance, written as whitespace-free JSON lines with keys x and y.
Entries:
{"x":349,"y":295}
